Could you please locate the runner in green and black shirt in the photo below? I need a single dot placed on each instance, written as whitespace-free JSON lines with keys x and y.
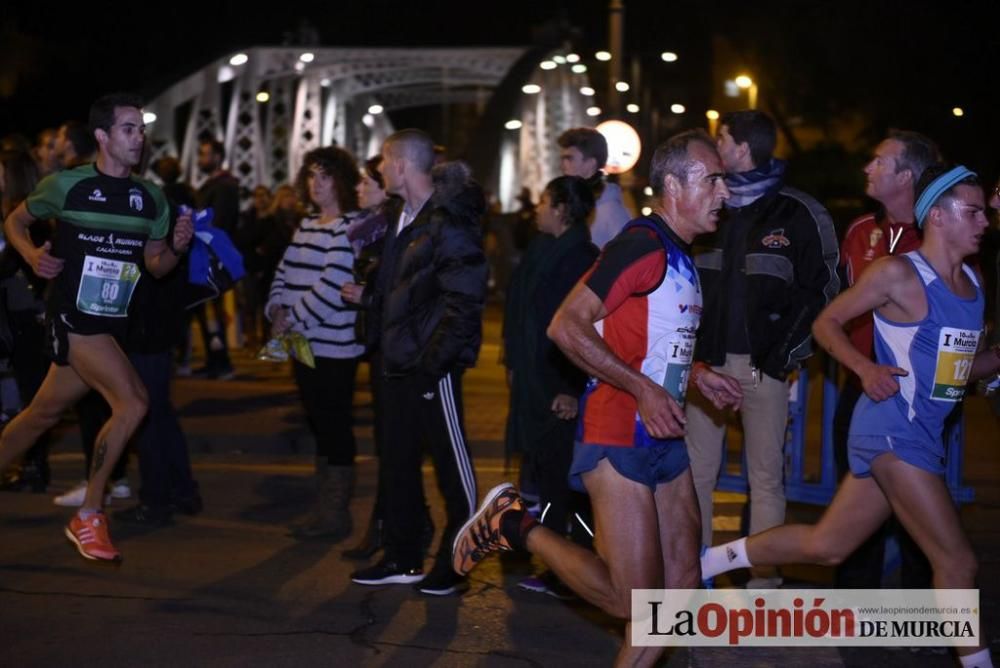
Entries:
{"x":111,"y":229}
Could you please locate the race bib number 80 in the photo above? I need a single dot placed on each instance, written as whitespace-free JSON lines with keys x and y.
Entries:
{"x":956,"y":349}
{"x":106,"y":287}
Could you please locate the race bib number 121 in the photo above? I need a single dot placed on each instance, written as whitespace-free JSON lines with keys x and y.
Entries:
{"x":956,"y":349}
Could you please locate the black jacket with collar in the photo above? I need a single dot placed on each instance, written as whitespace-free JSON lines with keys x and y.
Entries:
{"x":431,"y":286}
{"x":791,"y":273}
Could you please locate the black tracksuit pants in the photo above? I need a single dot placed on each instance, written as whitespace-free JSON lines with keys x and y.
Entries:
{"x":420,"y":411}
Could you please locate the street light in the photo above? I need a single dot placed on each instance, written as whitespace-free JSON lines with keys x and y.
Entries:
{"x":750,"y":86}
{"x":669,"y":57}
{"x":713,"y":121}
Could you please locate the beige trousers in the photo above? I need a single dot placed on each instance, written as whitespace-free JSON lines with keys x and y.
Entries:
{"x":764,"y":415}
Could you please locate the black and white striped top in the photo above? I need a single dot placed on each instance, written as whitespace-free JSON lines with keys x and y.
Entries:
{"x":308,"y":280}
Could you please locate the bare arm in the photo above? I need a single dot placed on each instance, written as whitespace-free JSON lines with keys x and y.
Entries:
{"x":877,"y":287}
{"x":986,"y":363}
{"x":160,"y":257}
{"x":572,"y":329}
{"x":15,"y":229}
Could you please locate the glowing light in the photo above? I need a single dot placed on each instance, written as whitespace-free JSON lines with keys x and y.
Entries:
{"x":547,"y":65}
{"x":646,"y":211}
{"x":239,"y":59}
{"x":531,"y":89}
{"x":148,"y":117}
{"x":579,"y":68}
{"x":586,"y":90}
{"x":624,"y":146}
{"x":375,"y":109}
{"x":958,"y":111}
{"x":669,"y":57}
{"x":368,"y":120}
{"x":263,"y":96}
{"x":307,"y":57}
{"x":572,"y":57}
{"x":677,"y":108}
{"x":593,"y":111}
{"x":299,"y":67}
{"x":743,"y":81}
{"x":560,"y":60}
{"x":513,"y":124}
{"x":647,"y":191}
{"x":621,"y":86}
{"x":226,"y":73}
{"x":325,"y":83}
{"x":603,"y":56}
{"x":712,"y":115}
{"x":632,"y":108}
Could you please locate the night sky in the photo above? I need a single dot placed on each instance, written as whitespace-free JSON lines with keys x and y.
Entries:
{"x":895,"y":64}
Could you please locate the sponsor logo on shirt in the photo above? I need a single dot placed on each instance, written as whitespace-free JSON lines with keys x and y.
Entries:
{"x":135,"y":199}
{"x":97,"y":196}
{"x":776,"y":239}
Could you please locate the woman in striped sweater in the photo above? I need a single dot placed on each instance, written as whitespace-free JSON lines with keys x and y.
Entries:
{"x":305,"y":298}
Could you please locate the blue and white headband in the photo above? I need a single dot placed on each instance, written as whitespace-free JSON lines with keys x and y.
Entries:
{"x":938,"y":187}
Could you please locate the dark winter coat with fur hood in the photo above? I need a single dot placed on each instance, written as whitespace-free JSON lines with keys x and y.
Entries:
{"x":432,"y":283}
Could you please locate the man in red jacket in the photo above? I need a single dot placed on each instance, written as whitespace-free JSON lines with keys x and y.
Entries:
{"x":891,"y":175}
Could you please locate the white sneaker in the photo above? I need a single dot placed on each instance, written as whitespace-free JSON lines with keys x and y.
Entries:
{"x":74,"y":497}
{"x":120,"y":489}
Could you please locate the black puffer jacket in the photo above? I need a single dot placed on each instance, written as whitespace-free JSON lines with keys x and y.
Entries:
{"x":431,"y":285}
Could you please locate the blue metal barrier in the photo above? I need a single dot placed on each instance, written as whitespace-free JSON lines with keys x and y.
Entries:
{"x":803,"y":488}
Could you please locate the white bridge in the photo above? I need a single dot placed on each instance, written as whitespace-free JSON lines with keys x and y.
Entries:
{"x":271,"y":105}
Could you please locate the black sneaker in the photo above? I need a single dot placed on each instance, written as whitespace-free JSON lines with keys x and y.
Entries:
{"x":442,"y":581}
{"x":187,"y":505}
{"x":145,"y":515}
{"x":387,"y":572}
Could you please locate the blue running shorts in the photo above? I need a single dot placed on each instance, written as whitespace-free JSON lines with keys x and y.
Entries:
{"x":649,"y":465}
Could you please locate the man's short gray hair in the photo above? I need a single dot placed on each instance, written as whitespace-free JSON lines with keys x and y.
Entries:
{"x":671,"y":157}
{"x":416,"y":146}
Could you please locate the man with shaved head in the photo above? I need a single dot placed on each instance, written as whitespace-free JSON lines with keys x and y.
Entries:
{"x":428,"y":303}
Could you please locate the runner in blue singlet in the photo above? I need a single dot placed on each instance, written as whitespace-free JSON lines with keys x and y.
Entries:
{"x":928,"y":322}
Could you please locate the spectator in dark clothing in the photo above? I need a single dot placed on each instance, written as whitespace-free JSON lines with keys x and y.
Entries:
{"x":367,"y":236}
{"x":430,"y":292}
{"x":221,"y":192}
{"x":249,"y":291}
{"x":544,"y":385}
{"x":155,"y":327}
{"x":21,"y":308}
{"x":267,"y":241}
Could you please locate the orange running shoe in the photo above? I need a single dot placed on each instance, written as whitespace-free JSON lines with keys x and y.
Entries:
{"x":90,"y":535}
{"x":481,"y":535}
